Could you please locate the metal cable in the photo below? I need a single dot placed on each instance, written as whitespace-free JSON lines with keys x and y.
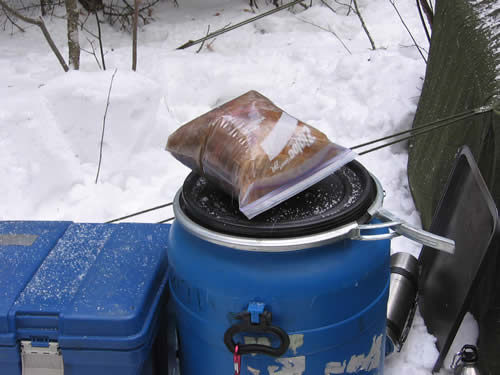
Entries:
{"x":423,"y":129}
{"x":414,"y":132}
{"x":226,"y":29}
{"x":166,"y":220}
{"x":139,"y":213}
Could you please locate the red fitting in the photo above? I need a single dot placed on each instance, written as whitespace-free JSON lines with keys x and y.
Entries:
{"x":237,"y":360}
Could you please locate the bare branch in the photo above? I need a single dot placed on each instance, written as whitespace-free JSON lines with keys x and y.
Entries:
{"x":328,"y":6}
{"x":13,"y":23}
{"x":363,"y":24}
{"x":38,"y":22}
{"x":407,"y":29}
{"x":191,"y":43}
{"x":100,"y":40}
{"x":329,"y":30}
{"x":36,"y":6}
{"x":89,"y":32}
{"x":125,"y":14}
{"x":104,"y":126}
{"x":91,"y":42}
{"x":349,"y":7}
{"x":203,"y":43}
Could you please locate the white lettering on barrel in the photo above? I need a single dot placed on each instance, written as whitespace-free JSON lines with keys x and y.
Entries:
{"x":335,"y":368}
{"x":288,"y":366}
{"x":359,"y":362}
{"x":252,"y":340}
{"x":371,"y":361}
{"x":253,"y":371}
{"x":260,"y":340}
{"x":296,"y":341}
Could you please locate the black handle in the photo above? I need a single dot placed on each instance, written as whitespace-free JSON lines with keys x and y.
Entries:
{"x":264,"y":326}
{"x":469,"y":354}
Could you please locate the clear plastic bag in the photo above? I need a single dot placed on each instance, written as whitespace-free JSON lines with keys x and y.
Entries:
{"x":253,"y":150}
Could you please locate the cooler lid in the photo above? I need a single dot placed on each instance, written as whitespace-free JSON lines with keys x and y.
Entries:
{"x":96,"y":288}
{"x":23,"y":247}
{"x":340,"y":198}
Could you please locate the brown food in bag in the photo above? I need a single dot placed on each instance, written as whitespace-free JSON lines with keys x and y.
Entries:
{"x":250,"y":148}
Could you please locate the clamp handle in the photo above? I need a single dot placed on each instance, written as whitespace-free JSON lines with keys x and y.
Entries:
{"x":264,"y":327}
{"x":402,"y":228}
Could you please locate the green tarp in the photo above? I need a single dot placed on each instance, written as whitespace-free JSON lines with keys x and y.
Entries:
{"x":463,"y":73}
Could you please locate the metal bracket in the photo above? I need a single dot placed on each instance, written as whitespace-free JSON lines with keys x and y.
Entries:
{"x":419,"y":235}
{"x":402,"y":228}
{"x":375,"y":237}
{"x":41,"y":360}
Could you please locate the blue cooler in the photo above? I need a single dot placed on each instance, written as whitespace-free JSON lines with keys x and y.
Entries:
{"x":82,"y":298}
{"x":290,"y":292}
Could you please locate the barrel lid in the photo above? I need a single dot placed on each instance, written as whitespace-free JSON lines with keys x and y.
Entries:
{"x":340,"y":198}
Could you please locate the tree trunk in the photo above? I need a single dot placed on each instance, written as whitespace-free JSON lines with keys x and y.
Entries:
{"x":42,"y":6}
{"x":73,"y":40}
{"x":134,"y":35}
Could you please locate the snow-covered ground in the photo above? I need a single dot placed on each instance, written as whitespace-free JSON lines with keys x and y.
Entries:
{"x":51,"y":121}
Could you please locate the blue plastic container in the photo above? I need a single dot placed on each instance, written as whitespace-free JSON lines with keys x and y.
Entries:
{"x":330,"y":300}
{"x":91,"y":296}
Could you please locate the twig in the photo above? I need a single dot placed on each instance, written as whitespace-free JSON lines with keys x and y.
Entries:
{"x":328,"y":6}
{"x":329,"y":30}
{"x":91,"y":42}
{"x":35,"y":6}
{"x":423,"y":21}
{"x":407,"y":29}
{"x":45,"y":32}
{"x":303,"y":5}
{"x":250,"y":20}
{"x":12,"y":22}
{"x":211,"y":43}
{"x":100,"y":40}
{"x":123,"y":13}
{"x":104,"y":126}
{"x":90,"y":32}
{"x":363,"y":24}
{"x":203,"y":43}
{"x":349,"y":6}
{"x":82,"y":23}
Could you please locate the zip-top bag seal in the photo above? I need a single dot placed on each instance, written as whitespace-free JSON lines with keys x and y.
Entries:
{"x":255,"y":151}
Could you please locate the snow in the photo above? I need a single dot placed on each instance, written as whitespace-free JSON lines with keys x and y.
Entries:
{"x":51,"y":122}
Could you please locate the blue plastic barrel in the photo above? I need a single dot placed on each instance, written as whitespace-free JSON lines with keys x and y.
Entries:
{"x":289,"y":290}
{"x":331,"y":300}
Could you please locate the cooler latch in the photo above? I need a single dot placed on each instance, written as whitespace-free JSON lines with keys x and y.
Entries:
{"x":41,"y":360}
